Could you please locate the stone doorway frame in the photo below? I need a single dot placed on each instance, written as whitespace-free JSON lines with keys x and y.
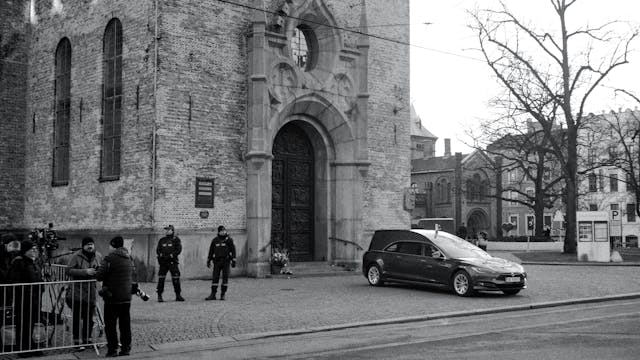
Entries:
{"x":330,"y":103}
{"x":338,"y":188}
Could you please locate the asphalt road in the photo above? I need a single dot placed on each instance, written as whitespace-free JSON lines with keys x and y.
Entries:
{"x":609,"y":330}
{"x":271,"y":305}
{"x":603,"y":331}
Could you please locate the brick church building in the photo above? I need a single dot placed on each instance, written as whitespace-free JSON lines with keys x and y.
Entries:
{"x":285,"y":121}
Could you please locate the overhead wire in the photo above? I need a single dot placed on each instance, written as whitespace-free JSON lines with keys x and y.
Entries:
{"x":396,"y":41}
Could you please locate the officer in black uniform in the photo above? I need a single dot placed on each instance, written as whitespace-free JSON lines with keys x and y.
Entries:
{"x":222,"y":253}
{"x":169,"y":247}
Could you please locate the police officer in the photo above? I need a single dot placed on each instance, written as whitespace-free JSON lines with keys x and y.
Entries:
{"x":169,"y":247}
{"x":222,"y":253}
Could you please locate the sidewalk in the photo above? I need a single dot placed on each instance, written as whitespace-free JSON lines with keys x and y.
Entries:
{"x":259,"y":308}
{"x":630,"y":257}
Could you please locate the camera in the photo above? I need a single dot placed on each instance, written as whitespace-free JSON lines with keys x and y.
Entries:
{"x":139,"y":293}
{"x":46,"y":239}
{"x":142,"y":295}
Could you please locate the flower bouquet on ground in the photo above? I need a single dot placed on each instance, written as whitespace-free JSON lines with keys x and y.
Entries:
{"x":280,"y":261}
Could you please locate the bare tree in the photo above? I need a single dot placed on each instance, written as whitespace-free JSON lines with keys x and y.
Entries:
{"x":550,"y":76}
{"x":527,"y":160}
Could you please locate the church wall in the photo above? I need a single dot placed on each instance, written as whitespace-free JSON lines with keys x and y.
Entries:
{"x":201,"y":116}
{"x":201,"y":129}
{"x":87,"y":203}
{"x":389,"y":133}
{"x":202,"y":112}
{"x":13,"y":76}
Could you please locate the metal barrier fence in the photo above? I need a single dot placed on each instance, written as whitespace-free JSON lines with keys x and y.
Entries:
{"x":52,"y":315}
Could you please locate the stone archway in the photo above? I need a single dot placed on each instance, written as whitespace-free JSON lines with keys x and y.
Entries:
{"x":329,"y":102}
{"x":478,"y":220}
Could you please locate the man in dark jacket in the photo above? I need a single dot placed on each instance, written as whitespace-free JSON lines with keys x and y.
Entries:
{"x":168,"y":250}
{"x":27,"y":298}
{"x":5,"y":256}
{"x":222,"y":253}
{"x":116,"y":272}
{"x":9,"y":249}
{"x":81,"y":296}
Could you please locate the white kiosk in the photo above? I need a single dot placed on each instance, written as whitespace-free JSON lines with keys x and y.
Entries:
{"x":593,"y":236}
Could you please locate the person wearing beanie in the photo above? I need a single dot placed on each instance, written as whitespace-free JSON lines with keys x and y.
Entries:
{"x":117,"y":271}
{"x":168,"y":250}
{"x":8,"y":250}
{"x":26,"y":246}
{"x":81,"y":296}
{"x":222,"y":253}
{"x":6,"y":257}
{"x":27,"y":298}
{"x":117,"y":242}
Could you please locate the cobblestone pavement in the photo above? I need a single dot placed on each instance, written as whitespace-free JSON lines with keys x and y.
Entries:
{"x":275,"y":304}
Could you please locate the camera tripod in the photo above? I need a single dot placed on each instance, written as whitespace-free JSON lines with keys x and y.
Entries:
{"x":56,"y":292}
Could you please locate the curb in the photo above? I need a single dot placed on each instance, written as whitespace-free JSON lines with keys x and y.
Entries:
{"x":580,"y":263}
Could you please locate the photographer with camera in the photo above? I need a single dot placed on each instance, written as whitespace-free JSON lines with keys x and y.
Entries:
{"x":81,"y":296}
{"x":222,"y":253}
{"x":117,"y":271}
{"x":168,"y":249}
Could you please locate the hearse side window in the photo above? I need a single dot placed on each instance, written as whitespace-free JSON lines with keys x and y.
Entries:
{"x":392,"y":247}
{"x":410,"y":248}
{"x":432,"y":251}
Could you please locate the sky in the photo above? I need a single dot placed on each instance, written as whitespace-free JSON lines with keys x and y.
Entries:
{"x":450,"y":89}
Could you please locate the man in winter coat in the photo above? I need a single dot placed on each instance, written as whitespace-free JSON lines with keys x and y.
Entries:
{"x":222,"y":253}
{"x":24,"y":269}
{"x":116,"y":271}
{"x":168,"y":249}
{"x":81,"y":296}
{"x":9,"y":249}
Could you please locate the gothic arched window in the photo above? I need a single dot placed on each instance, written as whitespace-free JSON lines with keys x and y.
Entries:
{"x":112,"y":101}
{"x":61,"y":128}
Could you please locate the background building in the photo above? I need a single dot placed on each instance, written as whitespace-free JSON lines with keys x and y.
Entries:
{"x":423,"y":142}
{"x":608,"y":156}
{"x":611,"y":188}
{"x":457,"y":186}
{"x":124,"y":116}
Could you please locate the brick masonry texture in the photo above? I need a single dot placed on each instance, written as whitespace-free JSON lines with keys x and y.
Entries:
{"x":13,"y":72}
{"x":86,"y":202}
{"x":389,"y":133}
{"x":199,"y":116}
